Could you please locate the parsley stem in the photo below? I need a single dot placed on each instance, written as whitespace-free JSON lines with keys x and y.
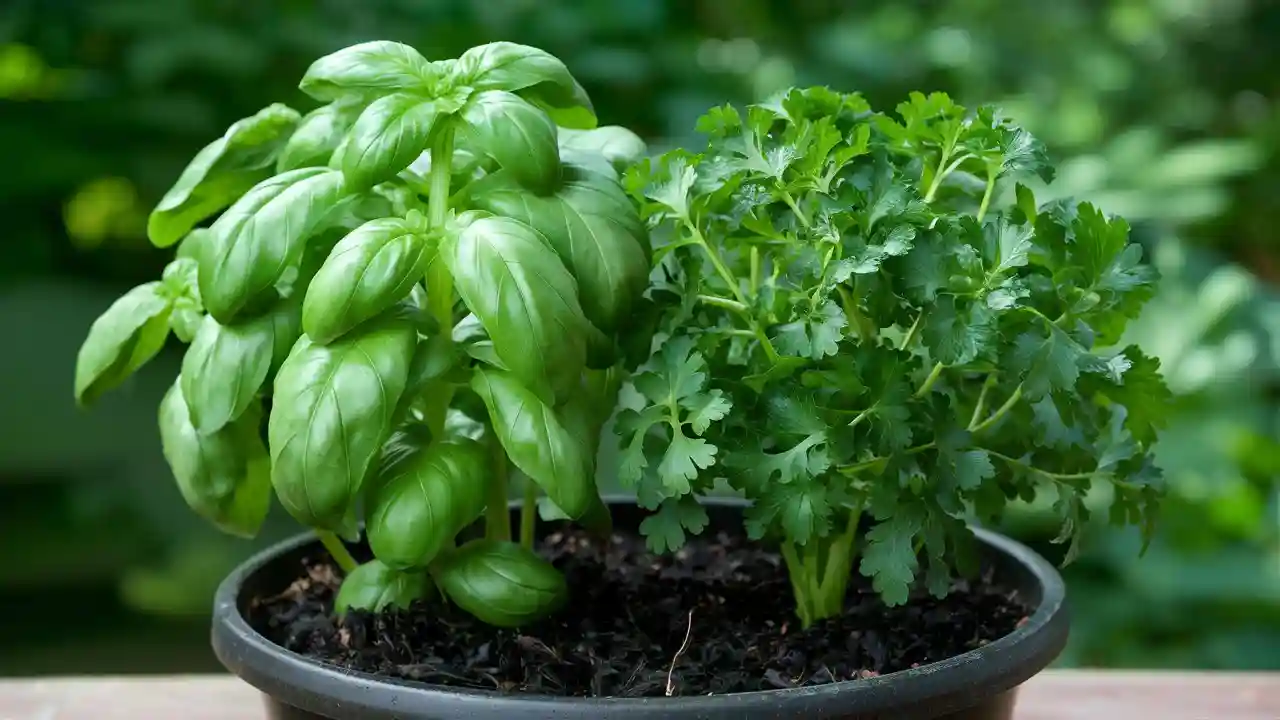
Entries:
{"x":723,"y":271}
{"x":982,"y":400}
{"x":755,"y":269}
{"x":1031,"y":468}
{"x":986,"y":195}
{"x":338,"y":551}
{"x":929,"y":381}
{"x":725,"y":303}
{"x":1000,"y":412}
{"x":798,"y":586}
{"x":911,"y":334}
{"x":791,"y":202}
{"x":858,"y":467}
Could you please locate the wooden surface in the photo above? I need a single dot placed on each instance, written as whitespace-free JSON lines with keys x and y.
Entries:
{"x":1056,"y":695}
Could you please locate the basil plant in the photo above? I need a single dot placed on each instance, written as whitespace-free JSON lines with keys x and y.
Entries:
{"x":418,"y":289}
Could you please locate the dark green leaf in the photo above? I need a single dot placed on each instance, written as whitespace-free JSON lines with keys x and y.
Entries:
{"x":1046,"y":363}
{"x":255,"y":241}
{"x":526,"y":300}
{"x":416,"y":513}
{"x":816,"y":335}
{"x":374,"y":587}
{"x":664,"y":531}
{"x":331,"y":413}
{"x":368,"y":271}
{"x":121,"y":340}
{"x":221,"y":172}
{"x":369,"y":68}
{"x":536,"y":440}
{"x":956,"y":332}
{"x":502,"y":584}
{"x":533,"y":74}
{"x":890,"y":557}
{"x":517,"y":135}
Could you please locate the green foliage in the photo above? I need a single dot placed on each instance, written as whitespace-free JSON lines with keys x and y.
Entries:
{"x":375,"y":307}
{"x":868,"y":319}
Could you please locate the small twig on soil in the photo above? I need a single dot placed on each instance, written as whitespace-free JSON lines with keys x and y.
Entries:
{"x":683,"y":646}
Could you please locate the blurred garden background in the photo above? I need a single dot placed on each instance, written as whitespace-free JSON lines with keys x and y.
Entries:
{"x":1167,"y":111}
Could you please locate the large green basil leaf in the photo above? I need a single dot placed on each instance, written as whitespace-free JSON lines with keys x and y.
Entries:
{"x":318,"y":135}
{"x":537,"y":441}
{"x":534,"y":74}
{"x":367,"y":272}
{"x":368,"y":68}
{"x":607,"y":150}
{"x":388,"y":136}
{"x":221,"y":172}
{"x":583,"y":417}
{"x":502,"y":584}
{"x":373,"y":586}
{"x":525,"y":298}
{"x":517,"y":135}
{"x":256,"y":240}
{"x":593,"y":229}
{"x":416,"y":513}
{"x":227,"y":365}
{"x":121,"y":340}
{"x":224,"y":476}
{"x":331,"y":412}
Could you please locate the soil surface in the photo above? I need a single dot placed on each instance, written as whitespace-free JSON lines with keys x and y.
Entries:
{"x":714,"y":618}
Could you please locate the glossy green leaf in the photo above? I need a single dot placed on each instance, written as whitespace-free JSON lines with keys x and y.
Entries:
{"x":537,"y":441}
{"x":367,"y":272}
{"x":593,"y":229}
{"x":416,"y":513}
{"x":259,"y":238}
{"x":501,"y":583}
{"x":179,"y":283}
{"x":525,"y":298}
{"x":221,"y":172}
{"x":227,"y":365}
{"x":368,"y":68}
{"x":225,"y":477}
{"x":121,"y":340}
{"x":318,"y":135}
{"x":534,"y":74}
{"x":389,"y":135}
{"x":373,"y":586}
{"x":607,"y":150}
{"x":331,"y":412}
{"x":517,"y":135}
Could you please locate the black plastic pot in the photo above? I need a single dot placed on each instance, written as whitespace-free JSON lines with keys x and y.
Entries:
{"x":978,"y":685}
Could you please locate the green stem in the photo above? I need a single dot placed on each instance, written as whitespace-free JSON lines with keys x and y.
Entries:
{"x":981,"y":405}
{"x":835,"y":578}
{"x":338,"y":551}
{"x":725,"y":303}
{"x":497,"y":525}
{"x":999,"y":413}
{"x":795,"y":570}
{"x":439,"y":282}
{"x":943,"y":170}
{"x":1032,"y":468}
{"x":732,"y":282}
{"x":929,"y":381}
{"x":855,"y":468}
{"x":529,"y":513}
{"x":791,"y":203}
{"x":911,"y":334}
{"x":986,"y":195}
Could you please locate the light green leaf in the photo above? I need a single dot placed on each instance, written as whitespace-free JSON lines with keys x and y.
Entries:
{"x":501,"y":583}
{"x":121,"y":340}
{"x":533,"y":74}
{"x":368,"y":271}
{"x":536,"y":440}
{"x":526,"y":300}
{"x":664,"y":531}
{"x":331,"y":413}
{"x":221,"y":172}
{"x":225,"y":477}
{"x":251,"y":246}
{"x":388,"y":136}
{"x":318,"y":135}
{"x":369,"y":68}
{"x":607,"y":150}
{"x":517,"y":135}
{"x":374,"y":587}
{"x":416,"y":513}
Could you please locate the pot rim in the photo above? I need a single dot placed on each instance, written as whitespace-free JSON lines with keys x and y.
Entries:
{"x":310,"y":684}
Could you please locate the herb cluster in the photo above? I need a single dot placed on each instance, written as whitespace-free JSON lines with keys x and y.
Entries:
{"x":415,"y":287}
{"x":868,"y":325}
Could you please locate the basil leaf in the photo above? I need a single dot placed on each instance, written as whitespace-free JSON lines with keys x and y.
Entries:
{"x":368,"y":68}
{"x":524,"y":297}
{"x":534,"y":74}
{"x":251,"y":246}
{"x":222,"y":171}
{"x":227,"y":365}
{"x":121,"y":340}
{"x":179,"y":284}
{"x":537,"y":441}
{"x":318,"y":135}
{"x":225,"y":477}
{"x":501,"y":583}
{"x":373,"y":586}
{"x":517,"y":135}
{"x":415,"y":514}
{"x":330,"y":414}
{"x":367,"y":272}
{"x":593,"y":229}
{"x":388,"y":136}
{"x":608,"y":150}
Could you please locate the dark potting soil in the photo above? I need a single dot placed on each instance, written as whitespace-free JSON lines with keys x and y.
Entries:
{"x":716,"y":617}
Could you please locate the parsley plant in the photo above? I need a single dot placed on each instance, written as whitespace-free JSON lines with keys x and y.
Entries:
{"x":869,"y":326}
